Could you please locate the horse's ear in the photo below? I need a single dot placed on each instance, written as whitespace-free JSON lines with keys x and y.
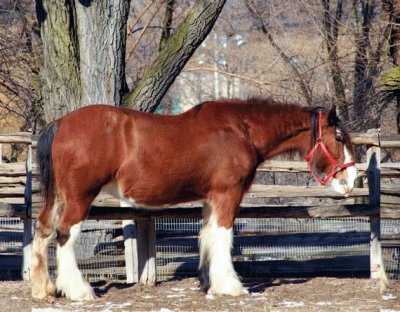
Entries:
{"x":332,"y":116}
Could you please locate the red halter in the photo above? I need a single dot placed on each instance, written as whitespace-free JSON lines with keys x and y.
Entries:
{"x":336,"y":168}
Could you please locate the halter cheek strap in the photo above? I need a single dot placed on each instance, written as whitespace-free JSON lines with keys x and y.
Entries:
{"x":319,"y":144}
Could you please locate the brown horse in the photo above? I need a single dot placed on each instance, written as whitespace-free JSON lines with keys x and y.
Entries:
{"x":210,"y":152}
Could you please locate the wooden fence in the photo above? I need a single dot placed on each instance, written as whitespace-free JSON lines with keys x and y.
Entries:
{"x":19,"y":197}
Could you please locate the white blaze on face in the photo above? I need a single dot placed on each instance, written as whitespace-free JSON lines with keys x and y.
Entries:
{"x":351,"y":172}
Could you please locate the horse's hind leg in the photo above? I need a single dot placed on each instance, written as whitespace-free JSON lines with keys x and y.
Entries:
{"x":70,"y":281}
{"x":42,"y":286}
{"x":217,"y":274}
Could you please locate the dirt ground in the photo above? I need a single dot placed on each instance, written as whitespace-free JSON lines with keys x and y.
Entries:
{"x":317,"y":294}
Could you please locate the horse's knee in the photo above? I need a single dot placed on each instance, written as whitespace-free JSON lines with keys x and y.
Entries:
{"x":72,"y":217}
{"x":62,"y":236}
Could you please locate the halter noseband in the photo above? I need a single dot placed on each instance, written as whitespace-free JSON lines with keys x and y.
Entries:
{"x":319,"y":144}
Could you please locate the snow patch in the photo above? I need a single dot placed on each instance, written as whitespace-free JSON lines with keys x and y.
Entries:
{"x":292,"y":304}
{"x":47,"y":310}
{"x":165,"y":310}
{"x":147,"y":296}
{"x":209,"y":297}
{"x":388,"y":297}
{"x":175,"y":296}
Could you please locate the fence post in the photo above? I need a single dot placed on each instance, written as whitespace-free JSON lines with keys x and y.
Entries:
{"x":27,"y":236}
{"x":140,"y":250}
{"x":146,"y":249}
{"x":130,"y":245}
{"x":373,"y":173}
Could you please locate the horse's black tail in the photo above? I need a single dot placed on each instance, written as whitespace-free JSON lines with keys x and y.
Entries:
{"x":44,"y":160}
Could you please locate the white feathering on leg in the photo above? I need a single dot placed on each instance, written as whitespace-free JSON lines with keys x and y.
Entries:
{"x":69,"y":279}
{"x":215,"y":246}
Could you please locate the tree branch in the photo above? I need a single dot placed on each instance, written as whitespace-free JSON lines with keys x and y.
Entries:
{"x":174,"y":55}
{"x":306,"y":91}
{"x":133,"y":47}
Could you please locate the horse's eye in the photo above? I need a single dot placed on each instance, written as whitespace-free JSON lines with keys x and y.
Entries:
{"x":339,"y":137}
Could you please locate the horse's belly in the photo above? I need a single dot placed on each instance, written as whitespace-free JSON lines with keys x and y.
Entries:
{"x":146,"y":198}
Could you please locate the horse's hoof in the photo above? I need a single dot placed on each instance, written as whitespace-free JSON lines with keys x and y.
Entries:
{"x":50,"y":298}
{"x":229,"y":291}
{"x":86,"y":293}
{"x":47,"y":294}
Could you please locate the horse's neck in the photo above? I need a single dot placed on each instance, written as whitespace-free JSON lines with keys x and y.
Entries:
{"x":280,"y":133}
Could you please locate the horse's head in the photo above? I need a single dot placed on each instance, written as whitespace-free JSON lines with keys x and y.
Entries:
{"x":332,"y":152}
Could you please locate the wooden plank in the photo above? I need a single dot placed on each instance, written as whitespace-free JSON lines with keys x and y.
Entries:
{"x":289,"y":191}
{"x":390,"y":170}
{"x":9,"y":191}
{"x":12,"y":191}
{"x":15,"y":137}
{"x":13,"y":180}
{"x":257,"y":191}
{"x":390,"y":141}
{"x":391,"y":200}
{"x":369,"y":138}
{"x":12,"y":169}
{"x":16,"y":169}
{"x":261,"y":211}
{"x":390,"y":189}
{"x":390,"y":211}
{"x":294,"y":166}
{"x":283,"y":166}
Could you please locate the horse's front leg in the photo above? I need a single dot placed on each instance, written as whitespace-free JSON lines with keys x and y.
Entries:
{"x":217,"y":274}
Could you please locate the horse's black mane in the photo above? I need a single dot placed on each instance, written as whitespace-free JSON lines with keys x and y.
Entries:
{"x":314,"y":121}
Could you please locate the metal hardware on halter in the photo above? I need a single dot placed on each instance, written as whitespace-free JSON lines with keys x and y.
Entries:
{"x":319,"y":144}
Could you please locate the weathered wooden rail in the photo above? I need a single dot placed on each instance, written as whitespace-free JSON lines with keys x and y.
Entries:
{"x":19,"y":197}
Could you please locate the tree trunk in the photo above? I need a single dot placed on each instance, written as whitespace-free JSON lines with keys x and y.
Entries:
{"x":102,"y":36}
{"x":60,"y":72}
{"x":83,"y":53}
{"x":175,"y":52}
